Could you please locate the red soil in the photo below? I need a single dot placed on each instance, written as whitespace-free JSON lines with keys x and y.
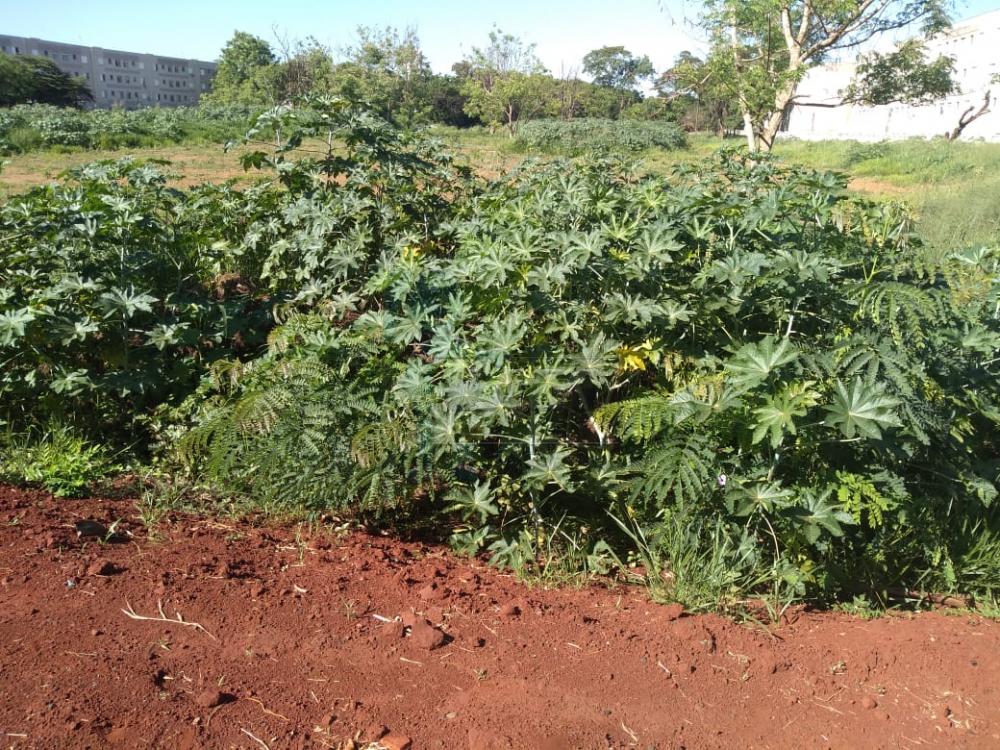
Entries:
{"x":292,"y":653}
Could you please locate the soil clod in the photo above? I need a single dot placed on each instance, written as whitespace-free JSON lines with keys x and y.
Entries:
{"x":426,"y":636}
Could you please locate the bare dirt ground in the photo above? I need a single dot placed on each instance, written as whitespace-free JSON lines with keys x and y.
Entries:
{"x":190,"y":165}
{"x":279,"y":638}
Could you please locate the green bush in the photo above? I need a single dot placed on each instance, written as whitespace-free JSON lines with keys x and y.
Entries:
{"x":28,"y":127}
{"x":110,"y":298}
{"x":760,"y":376}
{"x":580,"y":136}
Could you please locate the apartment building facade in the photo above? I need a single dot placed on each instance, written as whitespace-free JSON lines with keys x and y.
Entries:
{"x":123,"y":79}
{"x":975,"y":46}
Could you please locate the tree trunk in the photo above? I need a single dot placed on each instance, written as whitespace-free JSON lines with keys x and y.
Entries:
{"x":750,"y":132}
{"x":772,"y":125}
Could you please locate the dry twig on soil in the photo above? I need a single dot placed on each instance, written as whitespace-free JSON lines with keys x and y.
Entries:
{"x":255,"y":738}
{"x":178,"y":620}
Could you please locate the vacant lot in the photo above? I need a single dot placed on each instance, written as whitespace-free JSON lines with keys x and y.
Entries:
{"x":207,"y":633}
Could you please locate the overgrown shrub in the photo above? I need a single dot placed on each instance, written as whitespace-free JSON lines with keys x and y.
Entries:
{"x":757,"y":375}
{"x":27,"y":127}
{"x":115,"y":294}
{"x":584,"y":135}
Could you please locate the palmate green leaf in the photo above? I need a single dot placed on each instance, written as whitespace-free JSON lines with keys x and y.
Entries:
{"x":71,"y":383}
{"x":474,"y":501}
{"x":861,"y":410}
{"x":165,"y":335}
{"x":753,"y":363}
{"x":675,"y":312}
{"x":127,"y":302}
{"x":500,"y":340}
{"x":777,"y":417}
{"x":764,"y":496}
{"x":405,"y":328}
{"x":816,"y":514}
{"x":12,"y":324}
{"x":77,"y":330}
{"x":710,"y":401}
{"x":549,"y":468}
{"x":597,"y":359}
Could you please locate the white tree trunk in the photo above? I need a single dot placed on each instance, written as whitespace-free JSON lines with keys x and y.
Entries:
{"x":750,"y":132}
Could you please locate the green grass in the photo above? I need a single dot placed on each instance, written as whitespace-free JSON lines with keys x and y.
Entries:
{"x":954,"y":188}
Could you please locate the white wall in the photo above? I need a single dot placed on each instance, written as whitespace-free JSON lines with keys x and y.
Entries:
{"x":975,"y":45}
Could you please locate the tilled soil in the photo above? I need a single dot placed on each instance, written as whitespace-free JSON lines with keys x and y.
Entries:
{"x":284,"y":639}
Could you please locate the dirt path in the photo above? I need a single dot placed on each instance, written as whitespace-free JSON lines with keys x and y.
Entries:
{"x":294,"y":652}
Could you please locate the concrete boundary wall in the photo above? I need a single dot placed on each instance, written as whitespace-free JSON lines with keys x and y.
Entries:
{"x":975,"y":45}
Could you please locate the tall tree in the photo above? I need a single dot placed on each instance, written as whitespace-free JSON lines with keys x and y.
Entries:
{"x":15,"y":81}
{"x":387,"y":69}
{"x":761,"y":49}
{"x":618,"y":69}
{"x":506,"y":82}
{"x":247,"y":72}
{"x":306,"y":67}
{"x":38,"y":79}
{"x":700,"y":98}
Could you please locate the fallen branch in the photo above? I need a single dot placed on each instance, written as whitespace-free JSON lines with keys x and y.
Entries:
{"x":956,"y":601}
{"x":179,"y":620}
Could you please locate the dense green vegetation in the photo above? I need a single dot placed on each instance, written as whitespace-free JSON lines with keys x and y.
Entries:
{"x":582,"y":136}
{"x":28,"y":127}
{"x":954,"y":187}
{"x":26,"y":78}
{"x":741,"y":373}
{"x":499,"y":85}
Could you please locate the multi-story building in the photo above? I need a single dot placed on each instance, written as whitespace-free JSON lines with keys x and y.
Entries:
{"x":975,"y":46}
{"x":125,"y":79}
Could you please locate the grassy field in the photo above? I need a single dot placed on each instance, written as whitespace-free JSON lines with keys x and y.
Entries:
{"x":954,"y":188}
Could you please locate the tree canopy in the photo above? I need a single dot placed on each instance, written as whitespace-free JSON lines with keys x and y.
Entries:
{"x":618,"y":69}
{"x":761,"y":50}
{"x":506,"y":81}
{"x":38,"y":79}
{"x":246,"y":72}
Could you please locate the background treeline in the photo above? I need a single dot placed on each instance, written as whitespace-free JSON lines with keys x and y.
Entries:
{"x":499,"y":85}
{"x":27,"y":127}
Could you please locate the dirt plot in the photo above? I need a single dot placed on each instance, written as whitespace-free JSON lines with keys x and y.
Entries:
{"x":229,"y":635}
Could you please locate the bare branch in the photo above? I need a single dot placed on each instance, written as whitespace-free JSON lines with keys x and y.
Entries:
{"x":967,"y":117}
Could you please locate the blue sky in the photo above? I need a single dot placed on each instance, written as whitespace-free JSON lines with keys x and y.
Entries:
{"x":564,"y":30}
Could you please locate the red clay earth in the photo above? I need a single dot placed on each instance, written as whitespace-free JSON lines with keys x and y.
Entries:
{"x":293,"y":642}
